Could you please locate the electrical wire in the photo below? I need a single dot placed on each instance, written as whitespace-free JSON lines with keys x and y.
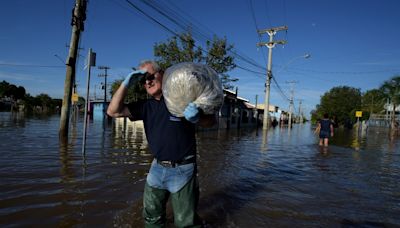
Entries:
{"x":29,"y":65}
{"x":344,"y":72}
{"x":256,"y":25}
{"x":176,"y":34}
{"x":278,"y":87}
{"x":255,"y":22}
{"x":184,"y":24}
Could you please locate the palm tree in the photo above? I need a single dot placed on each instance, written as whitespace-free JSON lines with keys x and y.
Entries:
{"x":391,"y":89}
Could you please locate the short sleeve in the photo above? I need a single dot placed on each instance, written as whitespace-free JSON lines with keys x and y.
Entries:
{"x":136,"y":110}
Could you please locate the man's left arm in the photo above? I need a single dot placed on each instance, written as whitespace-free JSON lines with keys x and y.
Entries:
{"x":193,"y":114}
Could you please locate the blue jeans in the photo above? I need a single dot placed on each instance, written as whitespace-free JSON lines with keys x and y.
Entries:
{"x":171,"y":179}
{"x":181,"y":184}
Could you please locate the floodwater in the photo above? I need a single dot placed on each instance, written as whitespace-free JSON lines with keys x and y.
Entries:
{"x":248,"y":178}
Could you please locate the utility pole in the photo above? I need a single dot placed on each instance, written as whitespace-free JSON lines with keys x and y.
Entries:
{"x":91,"y":61}
{"x":271,"y":44}
{"x":78,"y":19}
{"x":300,"y":111}
{"x":105,"y":68}
{"x":256,"y":110}
{"x":291,"y":101}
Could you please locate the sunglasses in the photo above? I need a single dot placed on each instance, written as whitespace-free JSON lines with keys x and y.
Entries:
{"x":147,"y":77}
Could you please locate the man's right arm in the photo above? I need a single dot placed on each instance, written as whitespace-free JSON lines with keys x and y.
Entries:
{"x":117,"y":108}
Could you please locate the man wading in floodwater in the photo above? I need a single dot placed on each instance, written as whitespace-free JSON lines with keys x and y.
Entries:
{"x":172,"y":141}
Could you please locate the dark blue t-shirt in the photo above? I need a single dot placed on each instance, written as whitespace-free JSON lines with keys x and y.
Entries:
{"x":170,"y":138}
{"x":325,"y":125}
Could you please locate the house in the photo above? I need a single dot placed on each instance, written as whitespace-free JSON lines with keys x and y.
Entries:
{"x":97,"y":109}
{"x":237,"y":112}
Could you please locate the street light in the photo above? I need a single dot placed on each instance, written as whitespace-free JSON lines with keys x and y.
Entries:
{"x":306,"y":56}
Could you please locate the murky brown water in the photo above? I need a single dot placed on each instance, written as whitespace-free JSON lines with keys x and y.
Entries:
{"x":247,"y":179}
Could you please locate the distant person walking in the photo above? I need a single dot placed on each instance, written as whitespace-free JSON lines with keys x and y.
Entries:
{"x":326,"y":130}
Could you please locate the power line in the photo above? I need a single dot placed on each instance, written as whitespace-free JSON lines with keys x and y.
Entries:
{"x":175,"y":19}
{"x":252,"y":71}
{"x":235,"y":52}
{"x":152,"y":18}
{"x":184,"y":24}
{"x":177,"y":35}
{"x":280,"y":90}
{"x":255,"y":23}
{"x":344,"y":72}
{"x":28,"y":65}
{"x":278,"y":87}
{"x":266,"y":10}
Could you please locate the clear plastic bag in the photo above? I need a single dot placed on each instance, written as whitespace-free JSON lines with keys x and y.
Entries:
{"x":192,"y":82}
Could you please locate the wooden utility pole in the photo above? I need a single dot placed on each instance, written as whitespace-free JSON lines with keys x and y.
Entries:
{"x":271,"y":44}
{"x":77,"y":22}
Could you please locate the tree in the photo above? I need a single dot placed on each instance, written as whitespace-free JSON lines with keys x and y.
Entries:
{"x":342,"y":102}
{"x":391,"y":90}
{"x":218,"y":59}
{"x":373,"y":101}
{"x":4,"y":88}
{"x":135,"y":92}
{"x":177,"y":50}
{"x":20,"y":93}
{"x":45,"y":102}
{"x":11,"y":90}
{"x":183,"y":49}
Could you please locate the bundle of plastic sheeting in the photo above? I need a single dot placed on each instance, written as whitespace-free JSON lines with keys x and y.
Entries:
{"x":192,"y":82}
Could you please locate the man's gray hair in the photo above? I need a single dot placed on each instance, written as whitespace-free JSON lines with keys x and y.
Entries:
{"x":154,"y":64}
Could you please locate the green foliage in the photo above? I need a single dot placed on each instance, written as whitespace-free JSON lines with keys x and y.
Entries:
{"x":42,"y":103}
{"x":372,"y":101}
{"x":183,"y":49}
{"x":344,"y":101}
{"x":10,"y":90}
{"x":81,"y":102}
{"x":177,"y":50}
{"x":135,"y":92}
{"x":218,"y":59}
{"x":391,"y":89}
{"x":341,"y":102}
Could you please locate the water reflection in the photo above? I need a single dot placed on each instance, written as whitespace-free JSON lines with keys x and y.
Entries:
{"x":248,"y":177}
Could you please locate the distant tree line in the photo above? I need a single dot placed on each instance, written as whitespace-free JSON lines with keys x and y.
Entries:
{"x":342,"y":102}
{"x":13,"y":98}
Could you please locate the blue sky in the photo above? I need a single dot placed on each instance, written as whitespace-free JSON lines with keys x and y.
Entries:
{"x":353,"y":43}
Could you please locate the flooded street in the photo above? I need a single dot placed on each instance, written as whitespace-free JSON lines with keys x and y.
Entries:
{"x":247,"y":178}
